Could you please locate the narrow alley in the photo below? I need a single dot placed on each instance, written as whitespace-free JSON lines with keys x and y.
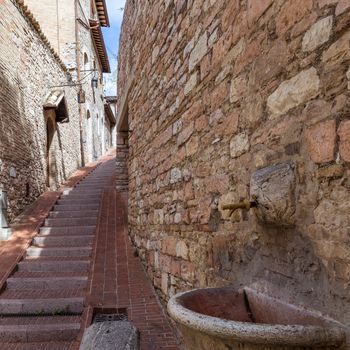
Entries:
{"x":174,"y":174}
{"x":80,"y":264}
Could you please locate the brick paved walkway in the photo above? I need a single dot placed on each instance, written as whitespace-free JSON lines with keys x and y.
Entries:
{"x":51,"y":275}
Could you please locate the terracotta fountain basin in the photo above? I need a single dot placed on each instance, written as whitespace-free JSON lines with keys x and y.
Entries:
{"x":227,"y":319}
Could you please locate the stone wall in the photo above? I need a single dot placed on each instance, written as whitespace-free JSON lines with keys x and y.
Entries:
{"x":229,"y":96}
{"x":28,"y":71}
{"x":58,"y":22}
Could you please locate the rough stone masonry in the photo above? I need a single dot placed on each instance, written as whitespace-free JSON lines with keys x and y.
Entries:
{"x":28,"y":70}
{"x":215,"y":91}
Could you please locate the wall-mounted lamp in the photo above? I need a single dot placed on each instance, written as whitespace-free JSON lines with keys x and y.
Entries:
{"x":94,"y":82}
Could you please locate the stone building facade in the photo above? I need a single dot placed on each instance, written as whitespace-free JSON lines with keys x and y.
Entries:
{"x":37,"y":149}
{"x":74,"y":29}
{"x":226,"y":100}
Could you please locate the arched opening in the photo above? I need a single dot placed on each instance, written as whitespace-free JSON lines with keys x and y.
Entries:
{"x":88,"y":139}
{"x":51,"y":169}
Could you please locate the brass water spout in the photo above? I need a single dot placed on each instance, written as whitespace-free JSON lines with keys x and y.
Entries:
{"x":241,"y":205}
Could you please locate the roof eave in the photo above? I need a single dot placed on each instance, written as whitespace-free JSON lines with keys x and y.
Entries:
{"x":100,"y":46}
{"x":102,"y":12}
{"x":110,"y":114}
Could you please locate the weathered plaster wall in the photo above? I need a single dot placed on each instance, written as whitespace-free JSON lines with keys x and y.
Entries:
{"x":219,"y":90}
{"x":28,"y":69}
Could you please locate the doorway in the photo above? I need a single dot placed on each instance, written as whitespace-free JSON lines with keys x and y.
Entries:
{"x":51,"y":169}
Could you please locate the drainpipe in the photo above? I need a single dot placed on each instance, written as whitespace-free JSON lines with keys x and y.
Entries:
{"x":77,"y":53}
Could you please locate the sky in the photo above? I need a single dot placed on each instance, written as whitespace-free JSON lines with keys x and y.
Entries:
{"x":111,"y":37}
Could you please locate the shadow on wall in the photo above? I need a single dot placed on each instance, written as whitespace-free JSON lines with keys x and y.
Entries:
{"x":63,"y":166}
{"x":294,"y":265}
{"x":22,"y":173}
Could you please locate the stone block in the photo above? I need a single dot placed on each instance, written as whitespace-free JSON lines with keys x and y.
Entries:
{"x":239,"y":145}
{"x":177,"y":126}
{"x":293,"y":92}
{"x":191,"y":83}
{"x":338,"y":52}
{"x":117,"y":335}
{"x":318,"y":34}
{"x":320,"y":140}
{"x":323,"y":3}
{"x":292,"y":11}
{"x":199,"y":51}
{"x":192,"y":146}
{"x":332,"y":171}
{"x":164,"y":283}
{"x":175,"y":175}
{"x":256,"y":9}
{"x":185,"y":134}
{"x":342,"y":6}
{"x":238,"y":88}
{"x":273,"y":188}
{"x":182,"y":250}
{"x":169,"y":245}
{"x":344,"y":135}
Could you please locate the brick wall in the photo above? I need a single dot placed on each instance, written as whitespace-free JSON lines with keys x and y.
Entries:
{"x":28,"y":70}
{"x":219,"y":90}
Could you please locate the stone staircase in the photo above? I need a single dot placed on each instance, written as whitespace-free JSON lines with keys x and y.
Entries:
{"x":42,"y":304}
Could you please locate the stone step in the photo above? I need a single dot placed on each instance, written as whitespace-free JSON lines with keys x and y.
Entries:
{"x":50,"y":345}
{"x":82,"y":202}
{"x":89,"y":188}
{"x":96,"y":179}
{"x":62,"y":222}
{"x":82,"y":196}
{"x":63,"y":241}
{"x":82,"y":193}
{"x":59,"y":251}
{"x":95,"y":185}
{"x":54,"y":266}
{"x":92,"y":191}
{"x":46,"y":283}
{"x":77,"y":190}
{"x":52,"y":306}
{"x":26,"y":274}
{"x":73,"y":214}
{"x":39,"y":332}
{"x":73,"y":207}
{"x":73,"y":230}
